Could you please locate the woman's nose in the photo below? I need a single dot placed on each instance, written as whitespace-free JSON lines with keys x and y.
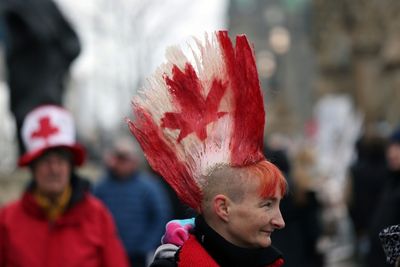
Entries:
{"x":278,"y":221}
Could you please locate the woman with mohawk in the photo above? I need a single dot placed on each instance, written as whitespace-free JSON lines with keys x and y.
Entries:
{"x":201,"y":127}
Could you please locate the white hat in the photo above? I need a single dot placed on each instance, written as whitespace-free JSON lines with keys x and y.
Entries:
{"x":49,"y":126}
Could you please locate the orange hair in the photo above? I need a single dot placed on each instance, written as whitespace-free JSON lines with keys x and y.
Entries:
{"x":269,"y":175}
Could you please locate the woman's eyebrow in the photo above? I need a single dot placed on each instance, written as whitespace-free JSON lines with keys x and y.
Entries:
{"x":274,"y":199}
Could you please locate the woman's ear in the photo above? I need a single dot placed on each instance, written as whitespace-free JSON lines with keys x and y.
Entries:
{"x":221,"y":204}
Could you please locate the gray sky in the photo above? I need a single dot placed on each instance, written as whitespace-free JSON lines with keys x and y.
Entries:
{"x":124,"y":41}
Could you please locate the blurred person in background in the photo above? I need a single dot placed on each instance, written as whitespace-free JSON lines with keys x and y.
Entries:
{"x":136,"y":199}
{"x":57,"y":221}
{"x":387,"y":210}
{"x":300,"y":209}
{"x":366,"y":184}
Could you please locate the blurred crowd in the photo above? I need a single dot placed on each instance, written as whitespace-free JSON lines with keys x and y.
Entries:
{"x":315,"y":234}
{"x":141,"y":203}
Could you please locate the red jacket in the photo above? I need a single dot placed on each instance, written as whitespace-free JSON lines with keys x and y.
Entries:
{"x":85,"y":236}
{"x":192,"y":254}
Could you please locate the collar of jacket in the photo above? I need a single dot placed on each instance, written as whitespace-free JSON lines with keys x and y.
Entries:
{"x":53,"y":208}
{"x":80,"y":188}
{"x":227,"y":254}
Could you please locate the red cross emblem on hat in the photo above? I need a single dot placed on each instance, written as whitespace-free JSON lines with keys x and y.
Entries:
{"x":45,"y":129}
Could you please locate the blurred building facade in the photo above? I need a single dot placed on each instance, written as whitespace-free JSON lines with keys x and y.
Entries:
{"x":280,"y":31}
{"x":307,"y":49}
{"x":357,"y":44}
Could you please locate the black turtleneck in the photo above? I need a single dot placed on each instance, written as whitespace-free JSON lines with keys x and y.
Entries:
{"x":226,"y":254}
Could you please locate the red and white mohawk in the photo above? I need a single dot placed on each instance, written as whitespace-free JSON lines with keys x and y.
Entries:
{"x":190,"y":119}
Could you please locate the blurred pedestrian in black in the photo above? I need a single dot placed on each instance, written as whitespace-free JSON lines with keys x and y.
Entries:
{"x":366,"y":185}
{"x":40,"y":47}
{"x":300,"y":210}
{"x":387,"y":211}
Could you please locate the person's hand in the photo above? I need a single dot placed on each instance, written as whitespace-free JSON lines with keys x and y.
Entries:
{"x":177,"y":231}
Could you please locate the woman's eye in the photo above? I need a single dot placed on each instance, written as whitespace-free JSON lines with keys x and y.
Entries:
{"x":268,"y":204}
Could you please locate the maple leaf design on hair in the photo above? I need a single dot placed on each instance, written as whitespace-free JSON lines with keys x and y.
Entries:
{"x":190,"y":119}
{"x":196,"y":112}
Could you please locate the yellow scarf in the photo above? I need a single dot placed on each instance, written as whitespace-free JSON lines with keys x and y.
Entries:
{"x":53,"y":209}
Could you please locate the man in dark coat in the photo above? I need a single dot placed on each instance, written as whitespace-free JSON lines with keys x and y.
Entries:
{"x":366,"y":185}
